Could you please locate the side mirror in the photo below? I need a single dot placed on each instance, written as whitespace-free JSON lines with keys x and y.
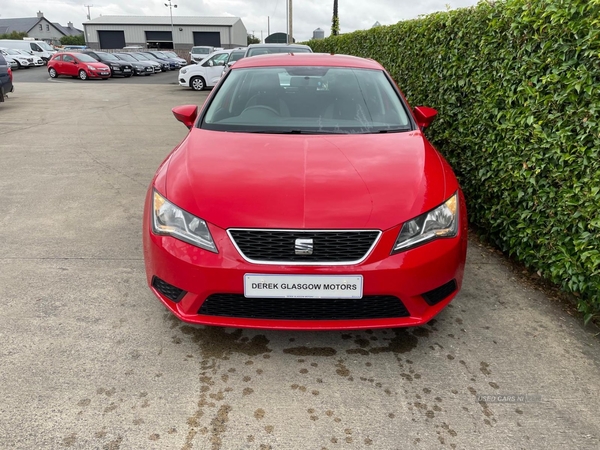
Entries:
{"x":424,"y":116}
{"x":186,"y":114}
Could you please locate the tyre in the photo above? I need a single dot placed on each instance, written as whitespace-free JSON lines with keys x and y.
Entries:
{"x":52,"y":72}
{"x":197,"y":83}
{"x":83,"y":75}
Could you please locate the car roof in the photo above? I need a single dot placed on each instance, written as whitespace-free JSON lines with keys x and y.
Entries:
{"x":277,"y":45}
{"x":307,"y":59}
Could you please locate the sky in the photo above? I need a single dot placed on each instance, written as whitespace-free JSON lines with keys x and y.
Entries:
{"x":307,"y":14}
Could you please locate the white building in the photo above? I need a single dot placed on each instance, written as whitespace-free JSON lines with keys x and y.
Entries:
{"x":112,"y":32}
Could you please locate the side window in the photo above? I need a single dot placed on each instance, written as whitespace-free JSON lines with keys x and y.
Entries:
{"x":47,"y":27}
{"x":41,"y":27}
{"x":68,"y":58}
{"x":35,"y":47}
{"x":57,"y":58}
{"x":220,"y":58}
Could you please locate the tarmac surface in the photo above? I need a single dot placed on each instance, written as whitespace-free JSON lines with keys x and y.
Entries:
{"x":89,"y":359}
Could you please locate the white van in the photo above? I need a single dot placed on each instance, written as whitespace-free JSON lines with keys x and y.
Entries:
{"x":205,"y":73}
{"x":199,"y":52}
{"x":39,"y":48}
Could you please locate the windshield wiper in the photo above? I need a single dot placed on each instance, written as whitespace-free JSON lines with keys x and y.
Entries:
{"x":392,"y":130}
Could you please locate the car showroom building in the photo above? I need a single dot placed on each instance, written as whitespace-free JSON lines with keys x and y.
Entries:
{"x":116,"y":32}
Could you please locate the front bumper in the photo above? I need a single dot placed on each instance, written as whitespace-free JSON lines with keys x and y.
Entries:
{"x":98,"y":73}
{"x":184,"y":81}
{"x":407,"y":276}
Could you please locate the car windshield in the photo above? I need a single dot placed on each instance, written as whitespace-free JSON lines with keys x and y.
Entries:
{"x":236,"y":56}
{"x":171,"y":54}
{"x":85,"y":58}
{"x":108,"y":57}
{"x":126,"y":57}
{"x":311,"y":100}
{"x":10,"y":51}
{"x":44,"y":46}
{"x":280,"y":49}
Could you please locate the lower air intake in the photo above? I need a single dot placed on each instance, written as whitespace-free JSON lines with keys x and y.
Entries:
{"x":368,"y":307}
{"x":168,"y":290}
{"x":438,"y":294}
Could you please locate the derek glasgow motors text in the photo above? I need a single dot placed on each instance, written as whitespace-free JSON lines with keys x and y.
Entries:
{"x":306,"y":286}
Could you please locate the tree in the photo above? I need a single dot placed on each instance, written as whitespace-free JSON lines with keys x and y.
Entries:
{"x":253,"y":39}
{"x":16,"y":35}
{"x":335,"y":23}
{"x":73,"y":40}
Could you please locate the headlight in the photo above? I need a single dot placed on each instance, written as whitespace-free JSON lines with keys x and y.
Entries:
{"x":115,"y":67}
{"x":169,"y":220}
{"x":438,"y":223}
{"x":91,"y":67}
{"x":183,"y":71}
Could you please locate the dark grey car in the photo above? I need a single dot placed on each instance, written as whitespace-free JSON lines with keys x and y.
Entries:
{"x":6,"y":84}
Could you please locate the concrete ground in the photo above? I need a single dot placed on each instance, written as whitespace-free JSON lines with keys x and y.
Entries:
{"x":89,"y":359}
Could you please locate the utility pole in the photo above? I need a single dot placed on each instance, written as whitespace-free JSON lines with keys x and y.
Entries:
{"x":268,"y":26}
{"x":171,"y":6}
{"x":88,"y":8}
{"x":287,"y":22}
{"x":290,"y":27}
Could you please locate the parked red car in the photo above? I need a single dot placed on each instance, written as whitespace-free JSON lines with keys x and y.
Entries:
{"x":305,"y":196}
{"x":77,"y":65}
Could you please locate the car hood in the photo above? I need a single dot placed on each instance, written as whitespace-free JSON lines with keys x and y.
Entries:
{"x":373,"y":181}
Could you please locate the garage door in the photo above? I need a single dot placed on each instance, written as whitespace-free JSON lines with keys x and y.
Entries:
{"x":212,"y":38}
{"x":111,"y":39}
{"x":159,"y":36}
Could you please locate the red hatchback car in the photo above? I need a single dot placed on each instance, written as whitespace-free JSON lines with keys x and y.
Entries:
{"x":305,"y":196}
{"x":77,"y":65}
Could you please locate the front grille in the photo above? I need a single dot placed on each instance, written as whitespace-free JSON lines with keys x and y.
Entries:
{"x":368,"y":307}
{"x":438,"y":294}
{"x":168,"y":290}
{"x":273,"y":246}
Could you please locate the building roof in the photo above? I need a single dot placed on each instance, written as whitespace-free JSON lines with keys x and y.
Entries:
{"x":67,"y":31}
{"x":164,"y":20}
{"x":22,"y":25}
{"x":25,"y":24}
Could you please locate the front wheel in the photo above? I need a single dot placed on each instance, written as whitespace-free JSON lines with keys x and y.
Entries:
{"x":83,"y":75}
{"x":197,"y":83}
{"x":52,"y":72}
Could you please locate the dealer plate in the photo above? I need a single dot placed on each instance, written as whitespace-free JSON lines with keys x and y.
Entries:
{"x":303,"y":286}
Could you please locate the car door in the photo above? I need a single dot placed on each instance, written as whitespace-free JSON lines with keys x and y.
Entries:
{"x":214,"y":68}
{"x":57,"y":64}
{"x":69,"y":65}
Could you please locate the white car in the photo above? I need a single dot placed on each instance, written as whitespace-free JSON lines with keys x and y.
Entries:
{"x":23,"y":61}
{"x":206,"y":73}
{"x":38,"y":61}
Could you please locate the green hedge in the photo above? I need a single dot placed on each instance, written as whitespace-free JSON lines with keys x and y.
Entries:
{"x":517,"y":87}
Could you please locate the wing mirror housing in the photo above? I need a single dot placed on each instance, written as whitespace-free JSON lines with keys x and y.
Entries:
{"x":424,"y":116}
{"x":186,"y":114}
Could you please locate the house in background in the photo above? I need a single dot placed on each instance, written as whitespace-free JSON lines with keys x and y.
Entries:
{"x":39,"y":28}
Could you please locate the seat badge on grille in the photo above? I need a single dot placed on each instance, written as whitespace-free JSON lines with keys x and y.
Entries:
{"x":304,"y":246}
